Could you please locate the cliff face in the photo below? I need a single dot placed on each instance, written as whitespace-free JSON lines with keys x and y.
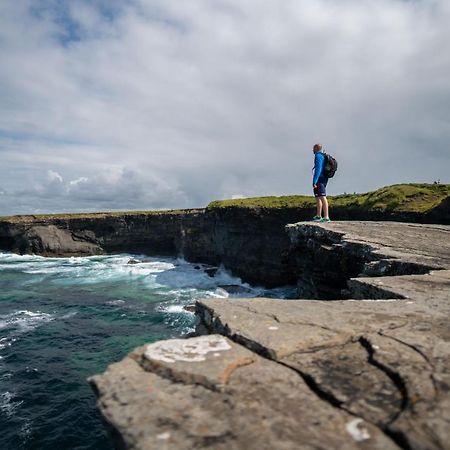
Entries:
{"x":248,"y":240}
{"x":327,"y":256}
{"x":252,"y":243}
{"x":157,"y":234}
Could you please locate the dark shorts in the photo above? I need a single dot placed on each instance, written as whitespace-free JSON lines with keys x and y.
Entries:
{"x":321,"y":189}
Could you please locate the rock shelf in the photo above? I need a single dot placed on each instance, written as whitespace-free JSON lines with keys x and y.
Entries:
{"x":368,"y":372}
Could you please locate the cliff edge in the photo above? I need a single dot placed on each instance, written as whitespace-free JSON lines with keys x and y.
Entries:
{"x":368,"y":372}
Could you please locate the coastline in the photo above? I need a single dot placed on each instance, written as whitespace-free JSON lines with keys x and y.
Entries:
{"x":367,"y":372}
{"x":247,"y":236}
{"x":371,"y":311}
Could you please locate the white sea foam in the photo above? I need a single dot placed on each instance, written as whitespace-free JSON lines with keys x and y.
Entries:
{"x":174,"y":279}
{"x":19,"y":323}
{"x":26,"y":430}
{"x":24,"y":320}
{"x":83,"y":270}
{"x":7,"y":404}
{"x":3,"y":342}
{"x":69,"y":315}
{"x":220,"y":293}
{"x":169,"y":274}
{"x":174,"y":309}
{"x":190,"y":282}
{"x":115,"y":302}
{"x":15,"y":257}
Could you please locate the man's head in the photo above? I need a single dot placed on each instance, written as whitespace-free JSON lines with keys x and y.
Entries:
{"x":317,"y":148}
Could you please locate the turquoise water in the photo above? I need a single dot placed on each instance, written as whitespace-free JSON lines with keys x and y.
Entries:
{"x":64,"y":319}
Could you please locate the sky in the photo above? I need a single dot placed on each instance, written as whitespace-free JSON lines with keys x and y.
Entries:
{"x":151,"y":104}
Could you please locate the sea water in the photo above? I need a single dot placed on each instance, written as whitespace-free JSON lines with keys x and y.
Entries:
{"x":64,"y":319}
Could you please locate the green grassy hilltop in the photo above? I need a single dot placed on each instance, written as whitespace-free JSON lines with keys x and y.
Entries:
{"x":409,"y":198}
{"x":418,"y":198}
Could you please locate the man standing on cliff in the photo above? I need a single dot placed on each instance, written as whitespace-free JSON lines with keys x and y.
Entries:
{"x":319,"y":185}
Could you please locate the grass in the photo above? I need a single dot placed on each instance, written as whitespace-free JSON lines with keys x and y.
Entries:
{"x":400,"y":197}
{"x":93,"y":215}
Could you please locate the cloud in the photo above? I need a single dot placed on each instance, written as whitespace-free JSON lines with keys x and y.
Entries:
{"x":148,"y":104}
{"x":105,"y":191}
{"x":54,"y":177}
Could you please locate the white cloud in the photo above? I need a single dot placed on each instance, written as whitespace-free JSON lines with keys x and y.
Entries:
{"x":167,"y":103}
{"x":105,"y":191}
{"x":78,"y":181}
{"x":54,"y":176}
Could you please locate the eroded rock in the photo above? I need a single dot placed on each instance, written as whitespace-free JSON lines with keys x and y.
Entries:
{"x":51,"y":240}
{"x":359,"y":373}
{"x":226,"y":399}
{"x":328,"y":255}
{"x":386,"y":361}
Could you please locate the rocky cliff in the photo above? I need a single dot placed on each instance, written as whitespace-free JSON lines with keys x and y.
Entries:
{"x":78,"y":234}
{"x":251,"y":242}
{"x":246,"y":236}
{"x":370,"y":372}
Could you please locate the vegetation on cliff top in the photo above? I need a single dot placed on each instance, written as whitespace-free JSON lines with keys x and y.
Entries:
{"x":94,"y":215}
{"x":401,"y":197}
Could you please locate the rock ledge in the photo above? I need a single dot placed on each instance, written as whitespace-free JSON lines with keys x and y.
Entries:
{"x":368,"y":372}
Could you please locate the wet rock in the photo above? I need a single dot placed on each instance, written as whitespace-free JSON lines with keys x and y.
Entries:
{"x":189,"y":308}
{"x":133,"y":261}
{"x":211,"y":271}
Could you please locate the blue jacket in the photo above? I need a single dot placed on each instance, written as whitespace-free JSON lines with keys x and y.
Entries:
{"x":319,"y":164}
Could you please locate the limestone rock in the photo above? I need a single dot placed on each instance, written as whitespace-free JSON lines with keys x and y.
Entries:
{"x":328,"y":255}
{"x":51,"y":240}
{"x":372,"y":371}
{"x":379,"y":360}
{"x":209,"y":392}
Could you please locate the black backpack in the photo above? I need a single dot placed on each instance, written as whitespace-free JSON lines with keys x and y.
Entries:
{"x":330,"y":167}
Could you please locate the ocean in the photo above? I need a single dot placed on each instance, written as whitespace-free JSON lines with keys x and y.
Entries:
{"x":64,"y":319}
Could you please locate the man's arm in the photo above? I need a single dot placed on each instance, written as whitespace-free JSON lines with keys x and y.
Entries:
{"x":318,"y":167}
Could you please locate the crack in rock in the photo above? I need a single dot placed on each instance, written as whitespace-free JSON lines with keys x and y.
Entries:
{"x":288,"y":322}
{"x":396,"y":378}
{"x":411,"y":346}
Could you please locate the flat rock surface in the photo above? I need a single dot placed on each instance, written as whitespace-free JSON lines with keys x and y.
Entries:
{"x":384,"y":354}
{"x":386,"y":361}
{"x":209,"y":392}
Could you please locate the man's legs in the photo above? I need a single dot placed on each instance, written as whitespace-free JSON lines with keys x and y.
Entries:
{"x":319,"y":207}
{"x":324,"y":206}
